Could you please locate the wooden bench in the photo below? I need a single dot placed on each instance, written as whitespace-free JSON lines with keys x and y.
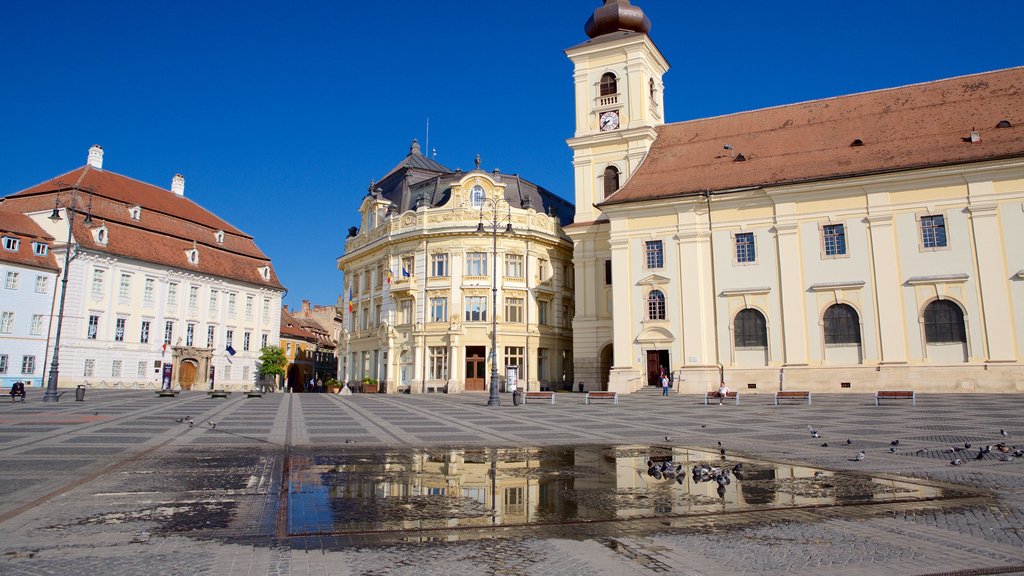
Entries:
{"x":254,"y":394}
{"x":218,"y":393}
{"x":538,"y":396}
{"x":166,"y":393}
{"x":613,"y":396}
{"x":896,"y":395}
{"x":730,"y":395}
{"x":793,"y":395}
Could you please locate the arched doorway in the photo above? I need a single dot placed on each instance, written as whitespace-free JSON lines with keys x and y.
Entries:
{"x":295,"y":379}
{"x":606,"y":365}
{"x":187,"y":376}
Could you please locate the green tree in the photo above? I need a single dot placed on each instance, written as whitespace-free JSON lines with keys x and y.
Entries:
{"x":272,"y":361}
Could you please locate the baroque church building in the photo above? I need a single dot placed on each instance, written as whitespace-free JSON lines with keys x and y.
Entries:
{"x":862,"y":242}
{"x":450,"y":271}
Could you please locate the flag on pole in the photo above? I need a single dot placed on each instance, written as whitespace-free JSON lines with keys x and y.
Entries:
{"x":351,"y":308}
{"x":405,"y":273}
{"x":230,"y":350}
{"x":389,"y":275}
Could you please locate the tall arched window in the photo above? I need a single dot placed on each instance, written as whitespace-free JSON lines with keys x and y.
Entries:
{"x":611,"y":180}
{"x":842,"y":325}
{"x":750,"y":328}
{"x":609,"y":85}
{"x":944,"y":323}
{"x":656,"y":305}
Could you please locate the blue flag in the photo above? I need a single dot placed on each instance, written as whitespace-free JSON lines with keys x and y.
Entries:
{"x":231,"y":350}
{"x":405,"y":273}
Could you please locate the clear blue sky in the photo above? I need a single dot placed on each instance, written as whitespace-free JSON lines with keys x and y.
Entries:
{"x":279,"y":114}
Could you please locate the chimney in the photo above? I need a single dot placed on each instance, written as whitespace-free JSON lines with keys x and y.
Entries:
{"x":178,"y":185}
{"x":305,"y":307}
{"x":96,"y":157}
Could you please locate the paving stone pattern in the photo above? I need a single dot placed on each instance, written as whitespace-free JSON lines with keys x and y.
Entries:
{"x":116,"y":485}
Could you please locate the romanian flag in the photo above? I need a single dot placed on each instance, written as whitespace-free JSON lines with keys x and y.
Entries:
{"x":389,"y":275}
{"x":351,"y":307}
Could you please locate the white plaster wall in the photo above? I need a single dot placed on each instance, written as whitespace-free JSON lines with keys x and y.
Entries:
{"x":25,"y":302}
{"x":1011,"y":216}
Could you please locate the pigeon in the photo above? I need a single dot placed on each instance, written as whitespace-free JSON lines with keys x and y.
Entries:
{"x":893,"y":449}
{"x":703,"y":425}
{"x":1018,"y":453}
{"x":957,"y":462}
{"x":824,"y":445}
{"x":967,"y":445}
{"x":1004,"y":433}
{"x":180,"y":420}
{"x":814,"y":432}
{"x":191,"y":423}
{"x":719,"y":443}
{"x":858,"y":457}
{"x":920,"y":452}
{"x":722,"y":452}
{"x":95,"y":413}
{"x":848,"y":441}
{"x":894,"y":443}
{"x":350,"y":441}
{"x":213,"y":425}
{"x":737,"y":468}
{"x":668,"y":439}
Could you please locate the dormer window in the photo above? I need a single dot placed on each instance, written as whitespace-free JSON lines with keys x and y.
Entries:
{"x":476,"y":196}
{"x":219,"y":236}
{"x":101,"y":235}
{"x":264,"y":272}
{"x":609,"y":84}
{"x":11,"y":244}
{"x":135,"y":212}
{"x":192,"y":256}
{"x":40,"y":249}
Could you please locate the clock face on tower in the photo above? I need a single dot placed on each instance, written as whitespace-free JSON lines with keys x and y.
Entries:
{"x":609,"y":120}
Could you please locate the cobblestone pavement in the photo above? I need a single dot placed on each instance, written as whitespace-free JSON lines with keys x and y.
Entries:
{"x":117,"y":485}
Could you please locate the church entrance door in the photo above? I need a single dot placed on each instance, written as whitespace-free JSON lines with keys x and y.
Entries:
{"x":187,"y":378}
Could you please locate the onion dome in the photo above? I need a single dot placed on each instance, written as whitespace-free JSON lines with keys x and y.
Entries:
{"x":617,"y":15}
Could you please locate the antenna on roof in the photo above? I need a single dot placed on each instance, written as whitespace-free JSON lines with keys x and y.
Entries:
{"x":427,"y":142}
{"x":731,"y":151}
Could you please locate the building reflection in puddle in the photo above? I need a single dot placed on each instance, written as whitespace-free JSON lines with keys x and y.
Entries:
{"x":397,"y":490}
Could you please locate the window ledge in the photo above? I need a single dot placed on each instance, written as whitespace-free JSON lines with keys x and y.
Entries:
{"x":850,"y":285}
{"x":938,"y":279}
{"x":742,"y":291}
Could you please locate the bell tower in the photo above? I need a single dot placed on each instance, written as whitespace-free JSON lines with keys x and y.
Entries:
{"x":619,"y":101}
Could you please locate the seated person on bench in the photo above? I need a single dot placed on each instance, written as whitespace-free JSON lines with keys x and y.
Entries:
{"x":723,"y":391}
{"x":18,"y":389}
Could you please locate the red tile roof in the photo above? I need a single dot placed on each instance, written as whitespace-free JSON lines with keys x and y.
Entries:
{"x":28,"y":232}
{"x":169,"y":225}
{"x":916,"y":126}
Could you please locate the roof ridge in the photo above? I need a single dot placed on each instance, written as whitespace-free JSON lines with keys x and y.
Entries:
{"x":842,"y":96}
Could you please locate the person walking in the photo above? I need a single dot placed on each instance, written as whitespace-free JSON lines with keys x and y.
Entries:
{"x":664,"y":384}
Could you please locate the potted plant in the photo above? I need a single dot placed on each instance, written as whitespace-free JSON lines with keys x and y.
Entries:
{"x":369,"y":385}
{"x":332,"y":386}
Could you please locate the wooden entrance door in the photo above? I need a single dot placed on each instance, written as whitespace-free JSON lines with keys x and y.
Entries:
{"x":476,"y":369}
{"x":187,"y":377}
{"x":653,"y":368}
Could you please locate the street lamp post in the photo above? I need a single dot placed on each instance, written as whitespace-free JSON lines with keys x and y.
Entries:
{"x":495,"y":204}
{"x":51,"y":382}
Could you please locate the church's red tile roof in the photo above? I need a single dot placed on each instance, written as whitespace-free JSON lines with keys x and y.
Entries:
{"x":168,"y":226}
{"x":22,"y":228}
{"x":916,"y":126}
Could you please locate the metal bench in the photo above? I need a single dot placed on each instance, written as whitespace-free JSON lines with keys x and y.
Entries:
{"x":793,"y":395}
{"x":166,"y":393}
{"x":731,"y":395}
{"x":896,"y":395}
{"x":538,"y":396}
{"x":613,"y":396}
{"x":218,"y":393}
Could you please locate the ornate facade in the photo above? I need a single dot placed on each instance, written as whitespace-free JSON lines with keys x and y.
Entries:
{"x":871,"y":241}
{"x":418,"y":296}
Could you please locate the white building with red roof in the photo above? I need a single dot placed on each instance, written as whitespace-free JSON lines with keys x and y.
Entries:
{"x":156,"y":283}
{"x":28,"y":272}
{"x":862,"y":242}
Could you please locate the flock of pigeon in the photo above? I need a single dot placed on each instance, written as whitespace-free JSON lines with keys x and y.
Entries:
{"x":1006,"y":452}
{"x":188,"y":420}
{"x":700,"y":472}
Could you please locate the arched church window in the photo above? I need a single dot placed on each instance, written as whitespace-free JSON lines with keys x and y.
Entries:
{"x":750,"y":329}
{"x":611,"y":180}
{"x":944,"y":323}
{"x":609,"y":85}
{"x":656,"y":305}
{"x":842,"y":325}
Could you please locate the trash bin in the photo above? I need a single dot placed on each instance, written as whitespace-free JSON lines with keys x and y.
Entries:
{"x":517,"y":397}
{"x":581,"y":386}
{"x":80,"y":393}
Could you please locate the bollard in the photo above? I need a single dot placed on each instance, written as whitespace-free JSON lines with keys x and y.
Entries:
{"x":80,"y":393}
{"x":581,"y":386}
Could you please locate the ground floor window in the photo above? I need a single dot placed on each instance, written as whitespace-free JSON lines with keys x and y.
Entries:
{"x":438,"y":362}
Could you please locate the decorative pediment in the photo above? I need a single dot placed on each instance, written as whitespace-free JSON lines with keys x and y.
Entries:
{"x":655,"y":334}
{"x":938,"y":279}
{"x":653,"y":280}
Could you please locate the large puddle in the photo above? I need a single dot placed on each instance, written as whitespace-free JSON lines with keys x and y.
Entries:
{"x":416,"y":490}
